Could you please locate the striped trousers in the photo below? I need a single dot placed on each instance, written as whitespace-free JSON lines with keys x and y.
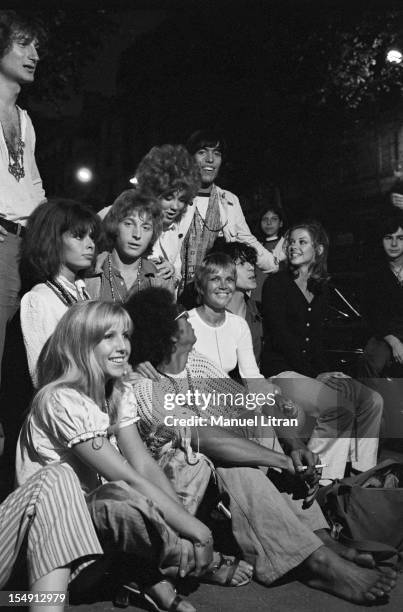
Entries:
{"x":47,"y":520}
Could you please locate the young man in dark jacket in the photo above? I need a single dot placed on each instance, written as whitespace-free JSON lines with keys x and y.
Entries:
{"x":382,"y":301}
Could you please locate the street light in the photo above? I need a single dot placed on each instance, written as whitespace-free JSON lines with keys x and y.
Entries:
{"x":133,"y":180}
{"x":84,"y":175}
{"x":394,"y":56}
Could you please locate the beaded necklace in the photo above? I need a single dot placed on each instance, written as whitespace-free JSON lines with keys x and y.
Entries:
{"x":116,"y":296}
{"x":16,"y":154}
{"x":63,"y":294}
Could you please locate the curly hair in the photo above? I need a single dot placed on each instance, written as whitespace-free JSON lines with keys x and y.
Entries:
{"x":167,"y":169}
{"x":320,"y":240}
{"x":210,"y":264}
{"x":206,"y":138}
{"x":21,"y":28}
{"x":42,"y":246}
{"x":126,"y":203}
{"x":153,"y":312}
{"x":236,"y":250}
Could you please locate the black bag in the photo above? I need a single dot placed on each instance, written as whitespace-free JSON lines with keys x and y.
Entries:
{"x":370,"y":518}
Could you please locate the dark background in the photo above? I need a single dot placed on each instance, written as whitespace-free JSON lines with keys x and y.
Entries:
{"x":301,"y":89}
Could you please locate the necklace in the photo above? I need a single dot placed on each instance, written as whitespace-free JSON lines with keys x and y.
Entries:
{"x":16,"y":154}
{"x":204,"y":224}
{"x":64,"y":295}
{"x":116,"y":295}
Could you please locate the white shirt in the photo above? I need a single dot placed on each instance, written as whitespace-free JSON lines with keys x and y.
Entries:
{"x":104,"y":211}
{"x":168,"y":246}
{"x":227,"y":345}
{"x":234,"y":225}
{"x":201,"y":203}
{"x":19,"y":198}
{"x":278,"y":251}
{"x":41,"y":310}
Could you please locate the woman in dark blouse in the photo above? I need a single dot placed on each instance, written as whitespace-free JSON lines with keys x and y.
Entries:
{"x":294,"y":303}
{"x":293,"y":309}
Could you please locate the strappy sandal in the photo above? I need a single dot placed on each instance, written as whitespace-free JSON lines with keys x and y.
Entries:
{"x":310,"y":496}
{"x":233,"y":564}
{"x":127,"y":591}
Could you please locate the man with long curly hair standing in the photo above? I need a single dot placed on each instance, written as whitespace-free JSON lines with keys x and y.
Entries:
{"x":20,"y":183}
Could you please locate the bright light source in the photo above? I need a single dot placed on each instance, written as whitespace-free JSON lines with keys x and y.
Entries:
{"x":133,"y":180}
{"x":394,"y":56}
{"x":84,"y":175}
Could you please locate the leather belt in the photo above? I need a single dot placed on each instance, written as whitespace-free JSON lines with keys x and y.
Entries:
{"x":13,"y":228}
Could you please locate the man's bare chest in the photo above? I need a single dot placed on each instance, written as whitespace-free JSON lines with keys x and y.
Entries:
{"x":11,"y":126}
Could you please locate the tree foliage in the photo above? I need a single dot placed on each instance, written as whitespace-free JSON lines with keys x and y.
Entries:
{"x":350,"y":54}
{"x":74,"y":36}
{"x":319,"y":53}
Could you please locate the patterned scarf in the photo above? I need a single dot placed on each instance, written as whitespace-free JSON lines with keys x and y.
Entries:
{"x":200,"y":237}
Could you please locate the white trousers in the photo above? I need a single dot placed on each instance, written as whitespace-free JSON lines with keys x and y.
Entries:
{"x":348,"y":417}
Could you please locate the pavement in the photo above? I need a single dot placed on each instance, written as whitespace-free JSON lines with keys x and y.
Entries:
{"x":291,"y":596}
{"x":288,"y":597}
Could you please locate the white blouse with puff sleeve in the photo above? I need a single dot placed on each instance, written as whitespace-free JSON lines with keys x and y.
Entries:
{"x":65,"y":419}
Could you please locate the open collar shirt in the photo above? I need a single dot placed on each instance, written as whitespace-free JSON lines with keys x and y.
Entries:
{"x":19,"y":198}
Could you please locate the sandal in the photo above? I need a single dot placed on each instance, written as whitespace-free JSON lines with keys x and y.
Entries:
{"x":232,"y":563}
{"x":310,"y":496}
{"x":126,"y":591}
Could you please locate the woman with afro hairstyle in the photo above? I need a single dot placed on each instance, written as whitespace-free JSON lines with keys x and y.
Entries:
{"x":170,"y":174}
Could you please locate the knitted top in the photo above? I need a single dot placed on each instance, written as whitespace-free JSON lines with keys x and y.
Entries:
{"x":218,"y":395}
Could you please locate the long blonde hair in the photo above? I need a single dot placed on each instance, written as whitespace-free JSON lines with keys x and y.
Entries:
{"x":68,"y":358}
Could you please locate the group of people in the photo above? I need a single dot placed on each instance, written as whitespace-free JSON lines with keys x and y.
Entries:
{"x":154,"y":299}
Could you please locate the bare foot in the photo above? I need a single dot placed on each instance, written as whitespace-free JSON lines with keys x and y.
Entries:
{"x":333,"y":574}
{"x":363,"y":559}
{"x":228,"y":571}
